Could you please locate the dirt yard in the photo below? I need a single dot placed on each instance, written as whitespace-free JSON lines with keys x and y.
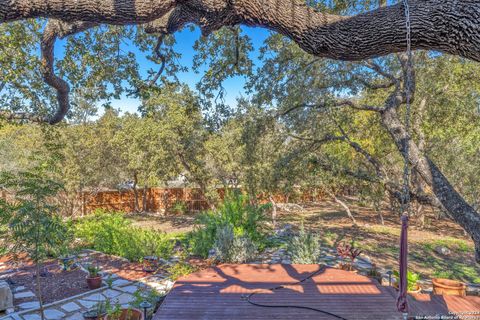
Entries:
{"x":378,"y":241}
{"x":441,"y":249}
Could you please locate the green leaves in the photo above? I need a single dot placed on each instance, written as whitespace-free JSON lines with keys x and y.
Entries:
{"x":32,"y":223}
{"x":304,"y":248}
{"x":412,"y":279}
{"x":112,"y":233}
{"x":243,"y":219}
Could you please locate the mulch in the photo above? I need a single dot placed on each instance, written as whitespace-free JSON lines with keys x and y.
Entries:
{"x":123,"y":268}
{"x":58,"y":284}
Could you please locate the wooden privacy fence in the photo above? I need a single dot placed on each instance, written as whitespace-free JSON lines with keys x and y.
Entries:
{"x":151,"y":200}
{"x":161,"y":199}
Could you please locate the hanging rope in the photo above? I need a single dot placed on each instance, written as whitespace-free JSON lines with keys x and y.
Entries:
{"x":408,"y":89}
{"x":402,"y":303}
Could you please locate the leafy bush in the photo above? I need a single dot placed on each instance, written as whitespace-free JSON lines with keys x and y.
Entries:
{"x":180,"y":269}
{"x":231,"y":248}
{"x":112,"y":233}
{"x":347,"y":253}
{"x":304,"y":248}
{"x":412,"y":279}
{"x":147,"y":294}
{"x":179,"y":207}
{"x":246,"y":221}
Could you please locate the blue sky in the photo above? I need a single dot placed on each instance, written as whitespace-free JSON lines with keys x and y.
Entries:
{"x":185,"y":41}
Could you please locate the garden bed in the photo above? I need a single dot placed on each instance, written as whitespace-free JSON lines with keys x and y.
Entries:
{"x":58,"y":284}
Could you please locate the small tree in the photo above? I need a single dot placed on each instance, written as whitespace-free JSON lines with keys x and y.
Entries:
{"x":31,"y":224}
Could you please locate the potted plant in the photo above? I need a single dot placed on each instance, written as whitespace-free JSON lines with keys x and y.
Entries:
{"x":412,"y":281}
{"x":66,"y":255}
{"x":125,"y":314}
{"x":448,"y":287}
{"x":116,"y":312}
{"x":347,"y":253}
{"x":68,"y":262}
{"x":374,"y":273}
{"x":94,"y":278}
{"x":99,"y":312}
{"x":67,"y":259}
{"x":148,"y":300}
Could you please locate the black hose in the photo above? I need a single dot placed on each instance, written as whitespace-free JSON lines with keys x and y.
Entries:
{"x":248,"y":298}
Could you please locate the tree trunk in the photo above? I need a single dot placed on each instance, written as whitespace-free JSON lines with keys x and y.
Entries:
{"x":382,"y":221}
{"x":457,"y":208}
{"x":144,"y":199}
{"x":344,"y":206}
{"x":136,"y":205}
{"x":39,"y":290}
{"x":274,"y":211}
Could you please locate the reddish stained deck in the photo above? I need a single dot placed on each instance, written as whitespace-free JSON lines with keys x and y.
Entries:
{"x":218,"y":293}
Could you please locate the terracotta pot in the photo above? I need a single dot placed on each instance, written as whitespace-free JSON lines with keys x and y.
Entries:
{"x":91,"y":315}
{"x":94,"y":282}
{"x":417,"y":289}
{"x":127,"y":314}
{"x":347,"y":267}
{"x":449,"y":287}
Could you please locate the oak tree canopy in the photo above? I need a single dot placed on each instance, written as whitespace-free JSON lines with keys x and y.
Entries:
{"x":450,"y":26}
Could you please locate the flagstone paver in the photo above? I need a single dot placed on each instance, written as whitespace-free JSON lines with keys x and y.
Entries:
{"x":120,"y":282}
{"x":25,"y":294}
{"x":76,"y":316}
{"x":122,"y":291}
{"x":53,"y":314}
{"x":125,"y":298}
{"x":97,"y":297}
{"x":19,"y":288}
{"x":29,"y":305}
{"x":109,"y":293}
{"x":71,"y":306}
{"x":130,"y":289}
{"x":87,"y":304}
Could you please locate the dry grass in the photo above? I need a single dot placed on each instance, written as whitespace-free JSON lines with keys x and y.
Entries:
{"x":379,"y":242}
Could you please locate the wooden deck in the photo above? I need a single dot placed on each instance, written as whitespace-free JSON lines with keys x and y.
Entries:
{"x":219,"y":293}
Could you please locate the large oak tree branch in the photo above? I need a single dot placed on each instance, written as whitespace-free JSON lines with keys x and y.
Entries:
{"x":53,"y":30}
{"x":451,"y":26}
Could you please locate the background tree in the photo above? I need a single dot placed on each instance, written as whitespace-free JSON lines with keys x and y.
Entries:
{"x":140,"y":153}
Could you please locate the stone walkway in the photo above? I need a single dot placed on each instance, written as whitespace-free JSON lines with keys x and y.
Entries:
{"x":122,"y":292}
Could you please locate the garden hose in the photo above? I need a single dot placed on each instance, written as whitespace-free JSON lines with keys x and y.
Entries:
{"x":249,"y":296}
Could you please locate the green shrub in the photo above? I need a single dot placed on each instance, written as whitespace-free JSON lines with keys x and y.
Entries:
{"x":231,"y":248}
{"x":180,"y":269}
{"x":304,"y":248}
{"x":246,"y":221}
{"x":412,"y":279}
{"x":112,"y":233}
{"x":179,"y":207}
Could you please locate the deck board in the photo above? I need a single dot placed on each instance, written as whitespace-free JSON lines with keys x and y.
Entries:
{"x":219,"y":293}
